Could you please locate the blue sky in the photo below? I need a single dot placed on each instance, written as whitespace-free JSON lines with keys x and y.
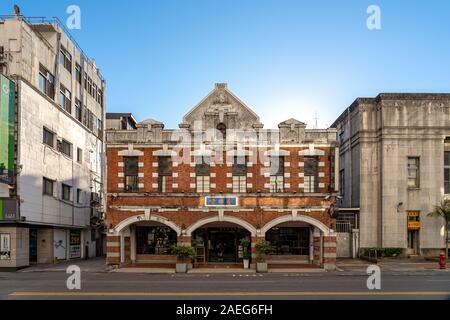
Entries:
{"x":282,"y":58}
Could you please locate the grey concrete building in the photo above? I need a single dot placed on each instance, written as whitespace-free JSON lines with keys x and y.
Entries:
{"x":51,"y":191}
{"x":394,"y":166}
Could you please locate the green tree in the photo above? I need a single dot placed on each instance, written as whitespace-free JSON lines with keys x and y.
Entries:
{"x":442,"y":210}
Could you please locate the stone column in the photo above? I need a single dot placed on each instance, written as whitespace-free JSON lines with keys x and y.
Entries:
{"x":317,"y":247}
{"x":133,"y":244}
{"x":127,"y":249}
{"x":122,"y":248}
{"x":329,"y":252}
{"x":184,"y":240}
{"x":254,"y":241}
{"x":112,"y":249}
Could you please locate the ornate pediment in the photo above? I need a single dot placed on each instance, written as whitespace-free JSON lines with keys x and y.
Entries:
{"x":221,"y":106}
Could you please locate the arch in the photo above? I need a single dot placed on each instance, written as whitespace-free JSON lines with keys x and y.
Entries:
{"x":288,"y":218}
{"x":142,"y":217}
{"x":240,"y":222}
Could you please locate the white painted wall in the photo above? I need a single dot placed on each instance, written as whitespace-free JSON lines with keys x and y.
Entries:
{"x":39,"y":160}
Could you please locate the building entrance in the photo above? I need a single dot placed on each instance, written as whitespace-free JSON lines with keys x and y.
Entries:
{"x":221,"y":244}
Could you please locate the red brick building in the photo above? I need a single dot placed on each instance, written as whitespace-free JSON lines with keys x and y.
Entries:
{"x":217,"y":179}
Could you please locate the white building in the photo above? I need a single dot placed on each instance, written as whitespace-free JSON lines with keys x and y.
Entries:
{"x":54,"y":206}
{"x":394,"y":167}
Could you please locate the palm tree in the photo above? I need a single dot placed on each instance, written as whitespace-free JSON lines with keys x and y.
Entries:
{"x":443,"y":211}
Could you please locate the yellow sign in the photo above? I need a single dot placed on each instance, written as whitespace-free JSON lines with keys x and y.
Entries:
{"x":413,"y":213}
{"x":413,"y":225}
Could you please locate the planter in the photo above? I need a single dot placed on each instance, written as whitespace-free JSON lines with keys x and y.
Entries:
{"x":181,"y":267}
{"x":246,"y":263}
{"x":261,"y":267}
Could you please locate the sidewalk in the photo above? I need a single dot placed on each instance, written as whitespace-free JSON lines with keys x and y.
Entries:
{"x":389,"y":264}
{"x":91,"y":265}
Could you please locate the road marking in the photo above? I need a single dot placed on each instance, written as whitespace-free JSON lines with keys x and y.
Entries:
{"x":220,"y":294}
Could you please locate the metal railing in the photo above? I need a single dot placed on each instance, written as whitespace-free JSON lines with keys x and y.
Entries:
{"x":343,"y":227}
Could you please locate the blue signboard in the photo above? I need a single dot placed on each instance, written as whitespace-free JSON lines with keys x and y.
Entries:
{"x":221,"y":201}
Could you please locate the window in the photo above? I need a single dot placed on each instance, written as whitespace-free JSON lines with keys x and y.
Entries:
{"x":413,"y":172}
{"x":222,"y":128}
{"x":289,"y":240}
{"x":65,"y":59}
{"x":85,"y":80}
{"x":202,"y":167}
{"x":100,"y":97}
{"x":155,"y":240}
{"x":239,"y":184}
{"x":65,"y":99}
{"x":79,"y":195}
{"x":78,"y":73}
{"x":311,"y":173}
{"x":277,"y":174}
{"x":276,"y":184}
{"x":66,"y":189}
{"x":90,"y":86}
{"x":79,"y":155}
{"x":85,"y":114}
{"x":49,"y":138}
{"x":47,"y":187}
{"x":202,"y":172}
{"x":5,"y":246}
{"x":100,"y":128}
{"x":342,"y":181}
{"x":239,"y":171}
{"x":203,"y":184}
{"x":131,"y":173}
{"x":447,"y":172}
{"x":94,"y":91}
{"x":78,"y":114}
{"x":66,"y":148}
{"x":46,"y":82}
{"x":165,"y":174}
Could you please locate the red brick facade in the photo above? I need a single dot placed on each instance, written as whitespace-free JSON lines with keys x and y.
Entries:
{"x":263,"y":202}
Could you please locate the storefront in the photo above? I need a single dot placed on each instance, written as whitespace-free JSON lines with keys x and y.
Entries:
{"x":221,"y":244}
{"x":289,"y":240}
{"x":154,"y":240}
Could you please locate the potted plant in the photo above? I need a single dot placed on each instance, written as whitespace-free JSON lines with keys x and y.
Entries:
{"x":262,"y":248}
{"x":184,"y":254}
{"x":245,"y":243}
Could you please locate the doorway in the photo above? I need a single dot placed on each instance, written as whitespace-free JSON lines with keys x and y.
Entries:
{"x":221,"y":244}
{"x":33,"y":246}
{"x":413,"y":241}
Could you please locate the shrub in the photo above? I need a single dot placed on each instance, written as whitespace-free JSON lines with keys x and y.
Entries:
{"x":384,"y":252}
{"x":262,"y":248}
{"x":245,"y":246}
{"x":183,"y":253}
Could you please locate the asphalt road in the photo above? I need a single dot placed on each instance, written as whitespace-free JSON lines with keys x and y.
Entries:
{"x":332,"y":285}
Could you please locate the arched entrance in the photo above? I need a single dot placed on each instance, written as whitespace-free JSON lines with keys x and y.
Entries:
{"x":295,"y":240}
{"x":146,"y":239}
{"x":218,"y":239}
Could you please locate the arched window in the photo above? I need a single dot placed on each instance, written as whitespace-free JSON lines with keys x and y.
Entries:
{"x":223,"y":129}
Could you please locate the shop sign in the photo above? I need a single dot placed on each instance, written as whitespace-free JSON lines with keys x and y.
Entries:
{"x":75,"y":244}
{"x":7,"y":97}
{"x":413,"y":225}
{"x":8,"y":209}
{"x":217,"y":201}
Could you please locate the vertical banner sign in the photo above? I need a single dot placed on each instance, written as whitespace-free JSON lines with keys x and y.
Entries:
{"x":7,"y":94}
{"x":75,"y":244}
